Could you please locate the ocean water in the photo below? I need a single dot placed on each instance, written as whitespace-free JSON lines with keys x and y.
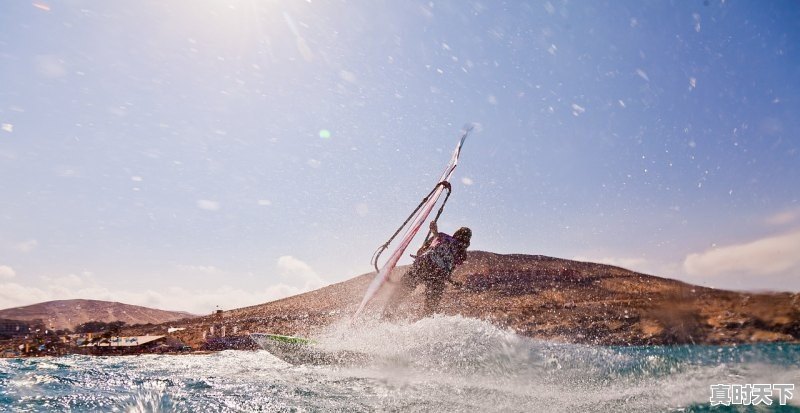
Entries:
{"x":436,"y":364}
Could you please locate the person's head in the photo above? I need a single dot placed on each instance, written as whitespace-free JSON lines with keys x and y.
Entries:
{"x":463,"y":234}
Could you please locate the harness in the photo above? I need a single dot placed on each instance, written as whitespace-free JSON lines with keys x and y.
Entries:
{"x":442,"y":252}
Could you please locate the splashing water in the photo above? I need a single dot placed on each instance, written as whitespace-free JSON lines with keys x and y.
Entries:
{"x":439,"y":363}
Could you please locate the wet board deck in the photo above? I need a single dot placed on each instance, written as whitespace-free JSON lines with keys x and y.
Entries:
{"x":298,"y":350}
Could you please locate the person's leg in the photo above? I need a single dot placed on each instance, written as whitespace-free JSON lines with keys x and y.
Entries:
{"x":433,"y":294}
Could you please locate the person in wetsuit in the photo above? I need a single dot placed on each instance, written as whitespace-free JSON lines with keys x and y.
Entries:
{"x":433,"y":266}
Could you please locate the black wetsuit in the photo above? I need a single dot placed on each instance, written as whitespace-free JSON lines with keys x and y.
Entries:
{"x":433,"y":266}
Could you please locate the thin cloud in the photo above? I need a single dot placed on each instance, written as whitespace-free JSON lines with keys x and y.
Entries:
{"x":68,"y":281}
{"x":27,"y":246}
{"x":207,"y":269}
{"x":299,"y":273}
{"x":7,"y":272}
{"x":777,"y":255}
{"x":16,"y":295}
{"x":784,"y":218}
{"x":196,"y":301}
{"x":299,"y":278}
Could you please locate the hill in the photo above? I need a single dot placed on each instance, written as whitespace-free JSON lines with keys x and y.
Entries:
{"x":63,"y":314}
{"x":546,"y":298}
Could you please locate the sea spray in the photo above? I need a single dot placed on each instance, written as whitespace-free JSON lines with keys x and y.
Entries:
{"x":440,"y":363}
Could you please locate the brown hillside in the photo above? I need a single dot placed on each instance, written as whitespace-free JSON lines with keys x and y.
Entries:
{"x":63,"y":314}
{"x":547,"y":298}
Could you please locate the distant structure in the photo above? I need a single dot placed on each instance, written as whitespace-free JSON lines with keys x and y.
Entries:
{"x":126,"y":344}
{"x":124,"y":341}
{"x":15,"y":328}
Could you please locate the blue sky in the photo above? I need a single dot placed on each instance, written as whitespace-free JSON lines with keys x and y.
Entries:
{"x":190,"y":154}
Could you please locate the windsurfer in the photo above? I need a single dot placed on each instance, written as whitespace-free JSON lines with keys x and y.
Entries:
{"x":433,"y":266}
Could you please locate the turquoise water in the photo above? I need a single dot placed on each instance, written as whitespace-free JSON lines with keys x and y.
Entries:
{"x":437,"y":364}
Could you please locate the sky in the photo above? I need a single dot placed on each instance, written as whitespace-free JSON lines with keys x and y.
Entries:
{"x":192,"y":155}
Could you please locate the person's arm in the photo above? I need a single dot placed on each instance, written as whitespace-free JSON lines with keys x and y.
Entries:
{"x":434,"y":229}
{"x":432,"y":236}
